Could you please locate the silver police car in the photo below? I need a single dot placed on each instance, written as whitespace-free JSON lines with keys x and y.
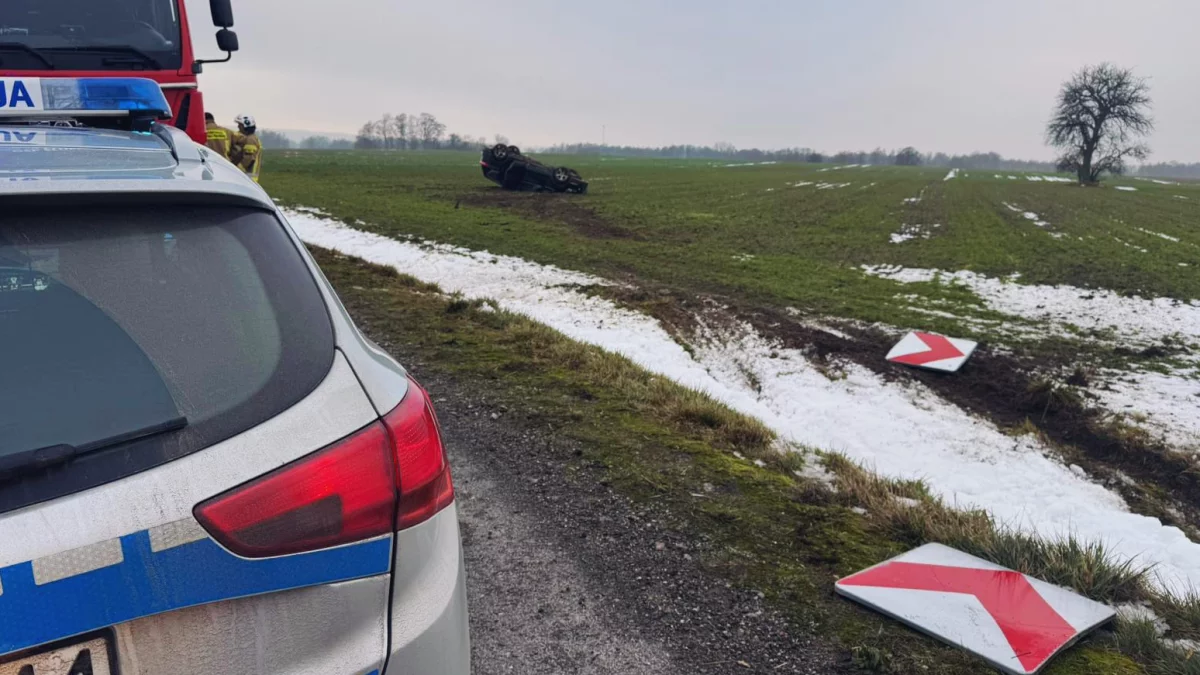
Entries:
{"x":205,"y":468}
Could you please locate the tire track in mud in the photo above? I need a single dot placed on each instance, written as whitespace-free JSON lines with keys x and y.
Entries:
{"x":1004,"y":388}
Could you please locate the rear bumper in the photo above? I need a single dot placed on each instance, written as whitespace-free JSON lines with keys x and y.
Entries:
{"x":429,"y":628}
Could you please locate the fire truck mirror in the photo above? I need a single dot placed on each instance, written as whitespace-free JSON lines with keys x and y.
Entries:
{"x":227,"y":40}
{"x":222,"y":14}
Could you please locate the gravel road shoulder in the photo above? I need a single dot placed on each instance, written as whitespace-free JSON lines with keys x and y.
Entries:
{"x":565,"y":576}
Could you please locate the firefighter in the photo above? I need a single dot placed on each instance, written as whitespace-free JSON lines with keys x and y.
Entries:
{"x":219,"y":138}
{"x":246,"y":150}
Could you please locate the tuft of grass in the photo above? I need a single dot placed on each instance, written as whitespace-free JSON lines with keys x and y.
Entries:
{"x":1181,"y":612}
{"x":1046,"y":397}
{"x":911,"y":514}
{"x":1140,"y":639}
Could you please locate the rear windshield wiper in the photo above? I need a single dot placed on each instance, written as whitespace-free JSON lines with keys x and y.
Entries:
{"x":29,"y":461}
{"x":22,"y":47}
{"x":129,"y":50}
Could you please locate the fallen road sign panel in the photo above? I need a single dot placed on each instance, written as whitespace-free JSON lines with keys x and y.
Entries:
{"x":1013,"y":621}
{"x":935,"y":352}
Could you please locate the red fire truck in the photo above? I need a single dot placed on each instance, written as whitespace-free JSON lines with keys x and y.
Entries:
{"x":114,"y":38}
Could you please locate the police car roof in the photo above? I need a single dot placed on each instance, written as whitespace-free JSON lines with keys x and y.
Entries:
{"x":65,"y":160}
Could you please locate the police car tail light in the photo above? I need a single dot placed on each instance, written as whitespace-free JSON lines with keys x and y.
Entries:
{"x":338,"y":495}
{"x":422,"y":472}
{"x":389,"y":476}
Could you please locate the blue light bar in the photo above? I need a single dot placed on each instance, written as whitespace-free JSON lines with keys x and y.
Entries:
{"x":37,"y":97}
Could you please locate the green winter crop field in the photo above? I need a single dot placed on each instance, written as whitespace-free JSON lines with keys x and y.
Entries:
{"x":780,"y":235}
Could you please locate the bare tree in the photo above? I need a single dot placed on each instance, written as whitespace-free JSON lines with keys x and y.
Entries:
{"x":1101,"y":112}
{"x":367,"y":139}
{"x":402,"y":130}
{"x":430,"y":130}
{"x":908,"y":157}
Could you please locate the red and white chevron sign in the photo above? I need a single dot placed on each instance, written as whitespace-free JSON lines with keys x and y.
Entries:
{"x":936,"y":352}
{"x":1015,"y":622}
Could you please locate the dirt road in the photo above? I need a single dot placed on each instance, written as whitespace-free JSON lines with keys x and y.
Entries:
{"x":567,"y":577}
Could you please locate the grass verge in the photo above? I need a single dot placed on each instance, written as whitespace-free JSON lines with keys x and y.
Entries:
{"x":771,"y":522}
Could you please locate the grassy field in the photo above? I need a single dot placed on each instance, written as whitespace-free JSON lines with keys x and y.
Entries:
{"x":749,"y":232}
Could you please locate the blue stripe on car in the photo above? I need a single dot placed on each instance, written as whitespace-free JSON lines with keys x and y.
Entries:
{"x":148,"y":583}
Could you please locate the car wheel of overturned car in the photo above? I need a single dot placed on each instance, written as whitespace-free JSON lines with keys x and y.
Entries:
{"x":514,"y":150}
{"x":500,"y":151}
{"x":562,"y":175}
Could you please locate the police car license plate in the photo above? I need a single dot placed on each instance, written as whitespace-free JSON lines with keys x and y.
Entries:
{"x":81,"y":658}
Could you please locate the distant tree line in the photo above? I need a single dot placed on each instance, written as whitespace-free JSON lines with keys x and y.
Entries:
{"x":274,"y":140}
{"x":724,"y":151}
{"x":1170,"y":170}
{"x":412,"y":132}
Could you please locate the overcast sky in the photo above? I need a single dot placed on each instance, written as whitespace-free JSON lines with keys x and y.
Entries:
{"x":950,"y":75}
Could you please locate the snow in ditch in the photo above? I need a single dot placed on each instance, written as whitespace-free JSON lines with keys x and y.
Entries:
{"x":1126,"y":188}
{"x":899,"y":429}
{"x":952,"y":175}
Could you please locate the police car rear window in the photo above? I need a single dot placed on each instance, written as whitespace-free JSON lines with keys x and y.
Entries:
{"x":137,"y":335}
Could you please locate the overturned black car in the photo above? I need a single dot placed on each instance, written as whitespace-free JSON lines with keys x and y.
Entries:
{"x":508,"y":168}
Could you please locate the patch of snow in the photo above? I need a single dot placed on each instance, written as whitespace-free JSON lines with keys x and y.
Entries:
{"x":814,"y":471}
{"x":1134,"y":319}
{"x":832,"y":186}
{"x":769,"y":190}
{"x":1036,"y":179}
{"x":735,"y":165}
{"x":1058,"y":179}
{"x":1126,"y":188}
{"x":1028,"y":215}
{"x":802,"y":183}
{"x":1136,"y":248}
{"x":1180,"y":197}
{"x":1137,"y":612}
{"x":1012,"y":177}
{"x":908,"y":232}
{"x":918,"y":198}
{"x":1166,"y":404}
{"x":998,"y":176}
{"x":766,"y":163}
{"x":900,"y":429}
{"x":743,"y":257}
{"x":847,"y":166}
{"x":1159,"y":234}
{"x":950,"y":176}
